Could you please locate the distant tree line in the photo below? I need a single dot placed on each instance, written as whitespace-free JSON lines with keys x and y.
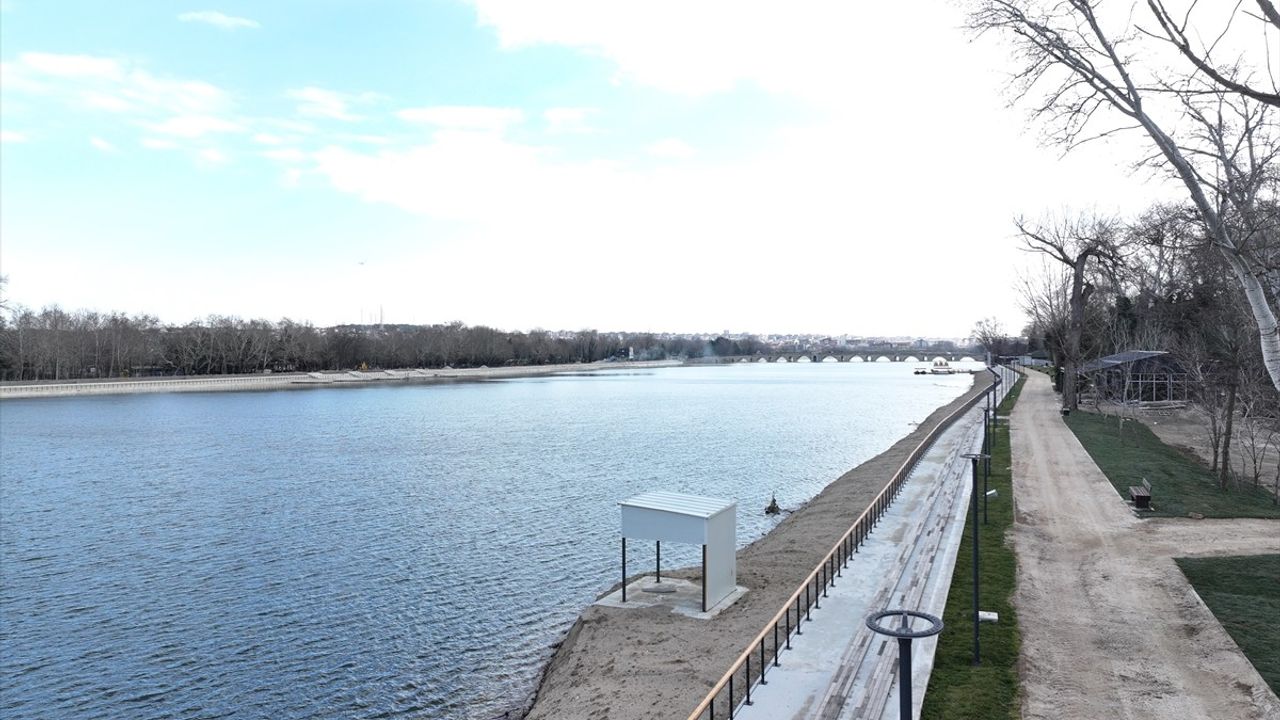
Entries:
{"x":54,"y":344}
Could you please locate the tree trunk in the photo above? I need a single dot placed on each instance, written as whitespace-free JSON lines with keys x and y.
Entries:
{"x":1224,"y":470}
{"x":1075,"y":333}
{"x":1263,"y":315}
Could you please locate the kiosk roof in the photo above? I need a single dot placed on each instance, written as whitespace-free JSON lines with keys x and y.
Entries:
{"x":678,"y":503}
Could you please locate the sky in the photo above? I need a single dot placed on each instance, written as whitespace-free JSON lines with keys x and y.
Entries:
{"x":806,"y":167}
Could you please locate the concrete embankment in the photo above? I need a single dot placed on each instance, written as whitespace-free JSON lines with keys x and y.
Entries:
{"x":652,"y":664}
{"x":284,"y":381}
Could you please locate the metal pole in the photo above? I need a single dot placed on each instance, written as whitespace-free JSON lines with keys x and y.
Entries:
{"x":704,"y":581}
{"x":977,"y":655}
{"x":658,"y":569}
{"x":624,"y":569}
{"x":904,"y":678}
{"x":986,"y":464}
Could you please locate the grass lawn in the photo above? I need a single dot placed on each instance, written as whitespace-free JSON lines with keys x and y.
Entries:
{"x":1244,"y":594}
{"x":1179,"y":483}
{"x":957,"y":689}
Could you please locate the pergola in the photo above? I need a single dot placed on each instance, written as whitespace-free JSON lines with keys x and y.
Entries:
{"x":674,"y":517}
{"x":1138,"y":376}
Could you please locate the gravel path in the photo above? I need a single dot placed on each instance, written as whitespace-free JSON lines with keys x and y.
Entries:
{"x":1110,"y":627}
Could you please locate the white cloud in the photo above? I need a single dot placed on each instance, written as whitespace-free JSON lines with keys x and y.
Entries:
{"x":217,"y":19}
{"x":268,"y":139}
{"x":12,"y":136}
{"x":86,"y":82}
{"x":290,"y":155}
{"x":464,"y":117}
{"x":72,"y":66}
{"x":827,"y":52}
{"x":158,"y":144}
{"x":684,"y":47}
{"x":194,"y":126}
{"x":319,"y":102}
{"x":212,"y":156}
{"x":671,"y":148}
{"x":99,"y":100}
{"x":568,"y":119}
{"x":103,"y":145}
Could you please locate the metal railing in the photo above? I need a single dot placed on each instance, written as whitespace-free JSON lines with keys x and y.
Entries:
{"x":735,"y":686}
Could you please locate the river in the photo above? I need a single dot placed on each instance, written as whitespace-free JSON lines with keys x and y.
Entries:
{"x":383,"y":551}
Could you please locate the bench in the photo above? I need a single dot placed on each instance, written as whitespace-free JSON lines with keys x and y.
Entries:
{"x":1141,"y":495}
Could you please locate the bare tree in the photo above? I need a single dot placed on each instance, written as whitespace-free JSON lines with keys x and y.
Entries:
{"x":1226,"y":76}
{"x":1257,"y":429}
{"x":1083,"y":244}
{"x":1221,"y":145}
{"x":1045,"y":298}
{"x":992,"y":337}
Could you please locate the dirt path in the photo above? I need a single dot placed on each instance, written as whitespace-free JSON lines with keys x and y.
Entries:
{"x":1110,"y":627}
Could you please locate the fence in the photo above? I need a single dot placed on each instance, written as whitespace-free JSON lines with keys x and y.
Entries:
{"x":735,"y":686}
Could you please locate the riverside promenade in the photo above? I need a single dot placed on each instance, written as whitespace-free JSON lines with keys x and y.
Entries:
{"x":652,"y":663}
{"x":840,"y":669}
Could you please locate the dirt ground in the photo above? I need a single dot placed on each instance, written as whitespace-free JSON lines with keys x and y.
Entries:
{"x":1187,"y":428}
{"x":1110,"y":627}
{"x":652,"y":664}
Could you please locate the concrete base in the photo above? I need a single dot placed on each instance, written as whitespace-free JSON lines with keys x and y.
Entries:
{"x":682,"y":596}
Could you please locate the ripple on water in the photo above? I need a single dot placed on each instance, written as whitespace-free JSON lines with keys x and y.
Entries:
{"x":378,"y":552}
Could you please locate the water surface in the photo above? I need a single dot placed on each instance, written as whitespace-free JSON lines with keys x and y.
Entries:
{"x":377,"y":552}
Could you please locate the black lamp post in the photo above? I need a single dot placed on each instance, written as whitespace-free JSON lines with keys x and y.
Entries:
{"x":974,"y":457}
{"x":905,"y":635}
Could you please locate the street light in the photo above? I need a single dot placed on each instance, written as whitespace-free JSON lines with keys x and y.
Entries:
{"x":974,"y":457}
{"x":905,"y":634}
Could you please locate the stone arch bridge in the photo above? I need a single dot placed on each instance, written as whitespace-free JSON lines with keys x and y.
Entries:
{"x":817,"y":356}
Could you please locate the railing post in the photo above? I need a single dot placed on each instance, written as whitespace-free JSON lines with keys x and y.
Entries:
{"x":763,"y":664}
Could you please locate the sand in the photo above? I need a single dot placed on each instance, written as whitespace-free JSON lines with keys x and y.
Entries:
{"x":294,"y":381}
{"x":651,"y":663}
{"x":1110,"y":627}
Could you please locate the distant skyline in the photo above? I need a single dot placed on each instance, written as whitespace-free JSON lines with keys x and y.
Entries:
{"x":817,"y":168}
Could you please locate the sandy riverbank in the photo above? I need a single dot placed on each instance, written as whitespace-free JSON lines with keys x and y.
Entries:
{"x":290,"y":381}
{"x":653,"y":664}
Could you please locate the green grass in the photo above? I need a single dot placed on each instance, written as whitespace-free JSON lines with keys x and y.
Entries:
{"x":1180,"y":484}
{"x":1244,"y":594}
{"x":957,"y":689}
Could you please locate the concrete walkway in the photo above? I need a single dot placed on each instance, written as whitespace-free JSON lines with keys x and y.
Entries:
{"x":1110,"y":627}
{"x":840,"y":669}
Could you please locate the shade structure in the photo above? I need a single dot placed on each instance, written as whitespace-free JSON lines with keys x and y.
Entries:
{"x":675,"y":517}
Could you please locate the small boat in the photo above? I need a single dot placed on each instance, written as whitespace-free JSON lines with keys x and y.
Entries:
{"x":941,"y":367}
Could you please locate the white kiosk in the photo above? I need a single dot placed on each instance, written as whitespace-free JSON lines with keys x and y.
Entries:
{"x":709,"y":522}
